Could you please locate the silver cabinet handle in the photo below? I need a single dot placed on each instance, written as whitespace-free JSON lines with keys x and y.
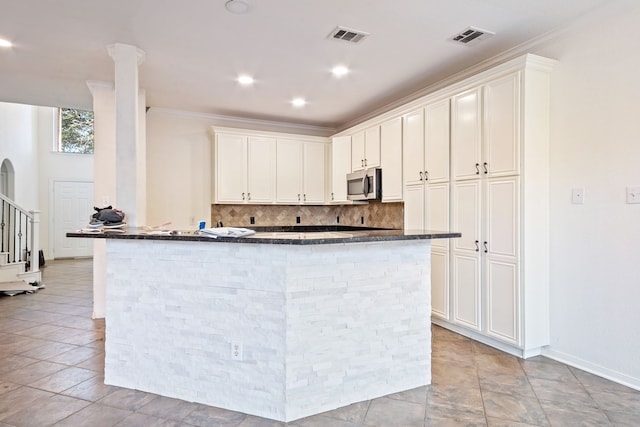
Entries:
{"x":477,"y":247}
{"x":426,"y":175}
{"x":486,"y":168}
{"x":304,"y":197}
{"x":248,"y":196}
{"x":332,"y":196}
{"x":298,"y":196}
{"x":365,"y":162}
{"x":361,"y":162}
{"x":477,"y":168}
{"x":242,"y":196}
{"x":485,"y":247}
{"x":420,"y":175}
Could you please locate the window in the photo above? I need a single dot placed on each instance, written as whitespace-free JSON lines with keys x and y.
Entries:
{"x":76,"y":131}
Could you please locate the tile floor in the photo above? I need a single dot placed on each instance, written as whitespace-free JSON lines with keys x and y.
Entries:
{"x":52,"y":358}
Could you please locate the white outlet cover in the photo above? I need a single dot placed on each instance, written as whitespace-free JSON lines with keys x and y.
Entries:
{"x":633,"y":195}
{"x":236,"y":350}
{"x":577,"y":196}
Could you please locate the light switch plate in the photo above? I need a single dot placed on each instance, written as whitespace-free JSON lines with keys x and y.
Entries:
{"x":577,"y":196}
{"x":633,"y":195}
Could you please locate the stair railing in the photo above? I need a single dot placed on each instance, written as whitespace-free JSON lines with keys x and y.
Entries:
{"x":19,"y":234}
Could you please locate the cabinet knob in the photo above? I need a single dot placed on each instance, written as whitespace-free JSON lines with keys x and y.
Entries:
{"x":365,"y":162}
{"x":304,"y":197}
{"x":361,"y":162}
{"x":486,"y":168}
{"x":485,"y":247}
{"x":420,"y":175}
{"x":477,"y":168}
{"x":477,"y":247}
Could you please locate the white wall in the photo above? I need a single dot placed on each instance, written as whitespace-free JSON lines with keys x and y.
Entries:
{"x":54,"y":166}
{"x":595,"y":145}
{"x":18,"y":143}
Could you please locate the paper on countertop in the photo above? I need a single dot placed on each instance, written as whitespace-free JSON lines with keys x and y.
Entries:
{"x":225,"y":232}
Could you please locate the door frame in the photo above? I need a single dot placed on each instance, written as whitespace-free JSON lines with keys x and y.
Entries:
{"x":52,"y":211}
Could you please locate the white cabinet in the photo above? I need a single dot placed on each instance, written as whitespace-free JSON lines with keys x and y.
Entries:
{"x":365,"y":149}
{"x":300,"y":172}
{"x":437,"y":142}
{"x":244,"y":169}
{"x":340,"y":167}
{"x":499,"y":202}
{"x":391,"y":159}
{"x":413,"y":147}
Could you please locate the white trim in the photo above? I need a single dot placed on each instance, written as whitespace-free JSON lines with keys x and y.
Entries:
{"x":243,"y":121}
{"x":268,"y":134}
{"x":592,"y":368}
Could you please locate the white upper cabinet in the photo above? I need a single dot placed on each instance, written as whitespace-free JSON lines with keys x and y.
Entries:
{"x":501,"y":154}
{"x":413,"y":147}
{"x":365,"y":149}
{"x":466,"y":134}
{"x":391,"y":159}
{"x":300,"y":172}
{"x":340,"y":167}
{"x":437,"y":142}
{"x":244,"y":169}
{"x":261,"y":165}
{"x":230,"y":168}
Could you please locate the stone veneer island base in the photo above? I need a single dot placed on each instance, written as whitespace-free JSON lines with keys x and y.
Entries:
{"x":281,"y":331}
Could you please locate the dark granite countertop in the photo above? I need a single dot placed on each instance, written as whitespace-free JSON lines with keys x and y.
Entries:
{"x":292,"y":235}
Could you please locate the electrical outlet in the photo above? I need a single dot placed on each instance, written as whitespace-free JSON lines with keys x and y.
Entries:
{"x":577,"y":196}
{"x":633,"y":195}
{"x":236,"y":350}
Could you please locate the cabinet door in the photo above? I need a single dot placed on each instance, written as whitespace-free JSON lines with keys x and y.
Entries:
{"x":288,"y":171}
{"x":413,"y":147}
{"x":261,"y":170}
{"x":357,"y":151}
{"x":341,"y":166}
{"x":500,"y":248}
{"x":414,"y":207}
{"x":440,"y":283}
{"x":437,"y":212}
{"x":231,"y":168}
{"x":391,"y":159}
{"x":465,"y":262}
{"x":466,"y":135}
{"x":501,"y":155}
{"x":437,"y":142}
{"x":372,"y":147}
{"x":313,"y":173}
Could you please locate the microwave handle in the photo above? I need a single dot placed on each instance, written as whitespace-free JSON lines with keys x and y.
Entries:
{"x":365,"y":184}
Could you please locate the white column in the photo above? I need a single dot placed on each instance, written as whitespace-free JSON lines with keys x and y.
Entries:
{"x":104,"y":179}
{"x":130,"y":162}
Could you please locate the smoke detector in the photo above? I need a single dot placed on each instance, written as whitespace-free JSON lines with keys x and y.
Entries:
{"x":347,"y":35}
{"x":472,"y":35}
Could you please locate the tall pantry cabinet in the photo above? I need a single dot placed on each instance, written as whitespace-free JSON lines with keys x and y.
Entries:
{"x":499,"y":193}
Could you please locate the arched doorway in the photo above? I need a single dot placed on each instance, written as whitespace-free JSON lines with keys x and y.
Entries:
{"x":7,"y":183}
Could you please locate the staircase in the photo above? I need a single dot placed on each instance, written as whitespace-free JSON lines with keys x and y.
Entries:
{"x":19,"y":248}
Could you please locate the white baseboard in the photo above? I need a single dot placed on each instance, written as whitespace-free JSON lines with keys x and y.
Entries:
{"x":592,"y":368}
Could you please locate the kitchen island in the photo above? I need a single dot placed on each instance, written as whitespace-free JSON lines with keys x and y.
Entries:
{"x":280,"y":324}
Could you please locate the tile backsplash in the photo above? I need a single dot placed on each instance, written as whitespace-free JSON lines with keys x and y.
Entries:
{"x":373,"y":214}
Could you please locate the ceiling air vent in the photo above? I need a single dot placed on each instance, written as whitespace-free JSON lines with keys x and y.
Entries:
{"x":347,"y":35}
{"x":471,"y":35}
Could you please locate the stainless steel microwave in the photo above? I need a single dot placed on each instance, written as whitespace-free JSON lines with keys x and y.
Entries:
{"x":365,"y":184}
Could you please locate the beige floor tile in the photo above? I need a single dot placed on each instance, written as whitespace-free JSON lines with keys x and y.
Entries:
{"x":496,"y":422}
{"x":455,"y":398}
{"x":353,"y":413}
{"x":95,"y":415}
{"x":128,"y":399}
{"x":64,"y":379}
{"x":251,"y":421}
{"x":33,"y":372}
{"x":569,"y":392}
{"x":19,"y":399}
{"x":166,"y":407}
{"x":46,"y":411}
{"x":48,"y":350}
{"x":139,"y":420}
{"x":438,"y":416}
{"x":514,"y":408}
{"x":627,"y":402}
{"x":507,"y":383}
{"x":204,"y":416}
{"x":321,"y":421}
{"x":621,"y":419}
{"x":387,"y":412}
{"x":75,"y":356}
{"x":93,"y":389}
{"x":566,"y":414}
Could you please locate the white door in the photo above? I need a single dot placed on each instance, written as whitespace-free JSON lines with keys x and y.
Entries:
{"x":288,"y":171}
{"x":372,"y":147}
{"x":391,"y":159}
{"x":437,"y":142}
{"x":72,"y":210}
{"x":414,"y":207}
{"x":313,"y":172}
{"x":413,"y":147}
{"x":357,"y":151}
{"x":466,"y":135}
{"x":502,"y":127}
{"x":261,"y":170}
{"x":231,"y":168}
{"x":341,"y":166}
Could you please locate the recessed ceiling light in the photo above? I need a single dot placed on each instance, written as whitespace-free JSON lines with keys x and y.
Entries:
{"x":5,"y":43}
{"x":339,"y":71}
{"x":237,"y":6}
{"x":245,"y":80}
{"x":298,"y":102}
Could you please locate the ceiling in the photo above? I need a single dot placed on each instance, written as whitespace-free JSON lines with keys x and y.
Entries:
{"x":195,"y":53}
